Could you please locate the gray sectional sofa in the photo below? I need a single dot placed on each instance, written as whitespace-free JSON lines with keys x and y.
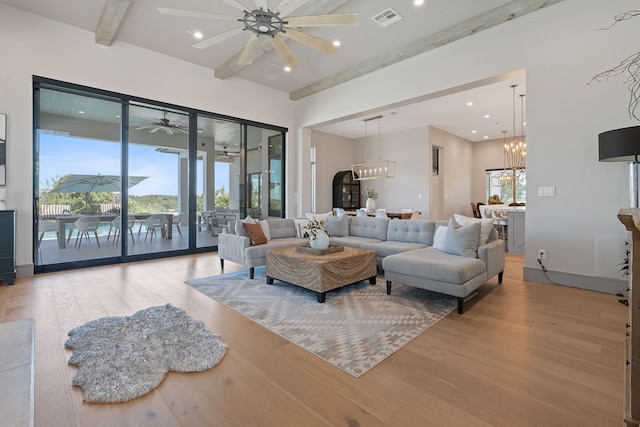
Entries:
{"x":404,"y":250}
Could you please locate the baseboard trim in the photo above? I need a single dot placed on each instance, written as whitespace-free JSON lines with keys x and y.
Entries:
{"x":25,"y":270}
{"x":592,"y":283}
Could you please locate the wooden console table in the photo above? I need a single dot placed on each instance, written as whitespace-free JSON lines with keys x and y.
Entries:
{"x":631,"y":220}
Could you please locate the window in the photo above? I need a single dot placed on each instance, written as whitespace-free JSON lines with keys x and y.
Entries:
{"x":505,"y":193}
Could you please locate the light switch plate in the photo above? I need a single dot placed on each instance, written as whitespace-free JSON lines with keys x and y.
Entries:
{"x":546,"y":191}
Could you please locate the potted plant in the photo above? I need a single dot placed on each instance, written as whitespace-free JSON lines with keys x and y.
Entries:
{"x":318,"y":237}
{"x":371,"y":195}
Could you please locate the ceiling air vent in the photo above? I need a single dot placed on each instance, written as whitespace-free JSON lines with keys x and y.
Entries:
{"x":387,"y":17}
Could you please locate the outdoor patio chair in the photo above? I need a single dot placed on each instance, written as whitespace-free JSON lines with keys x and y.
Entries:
{"x":47,"y":226}
{"x":155,"y":222}
{"x":116,"y":224}
{"x":84,"y":225}
{"x":177,"y":218}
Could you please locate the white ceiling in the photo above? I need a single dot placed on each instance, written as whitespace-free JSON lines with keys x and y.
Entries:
{"x":144,"y":26}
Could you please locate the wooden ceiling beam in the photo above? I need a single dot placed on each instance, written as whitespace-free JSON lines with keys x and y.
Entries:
{"x":497,"y":16}
{"x":110,"y":19}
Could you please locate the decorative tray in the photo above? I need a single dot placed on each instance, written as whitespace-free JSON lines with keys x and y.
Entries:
{"x":330,"y":250}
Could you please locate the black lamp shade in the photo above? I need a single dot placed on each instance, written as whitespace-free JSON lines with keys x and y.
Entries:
{"x":619,"y":145}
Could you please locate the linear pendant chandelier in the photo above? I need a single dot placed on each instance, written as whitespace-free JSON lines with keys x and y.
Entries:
{"x":373,"y":169}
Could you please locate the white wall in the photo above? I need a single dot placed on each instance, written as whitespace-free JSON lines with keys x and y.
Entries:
{"x":561,"y":49}
{"x":36,"y":46}
{"x":333,"y":154}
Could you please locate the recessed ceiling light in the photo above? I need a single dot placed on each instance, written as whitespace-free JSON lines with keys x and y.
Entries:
{"x":486,"y":116}
{"x":418,"y":2}
{"x":80,"y":112}
{"x":469,"y":104}
{"x":336,"y":43}
{"x":197,"y":34}
{"x":486,"y":137}
{"x":287,"y":69}
{"x":474,"y":131}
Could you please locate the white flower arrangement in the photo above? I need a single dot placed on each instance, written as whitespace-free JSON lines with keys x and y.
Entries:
{"x":313,"y":226}
{"x":370,"y":192}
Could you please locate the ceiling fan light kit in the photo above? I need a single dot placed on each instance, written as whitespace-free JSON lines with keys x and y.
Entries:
{"x":263,"y":21}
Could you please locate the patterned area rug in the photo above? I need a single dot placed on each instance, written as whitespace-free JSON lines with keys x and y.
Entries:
{"x":121,"y":358}
{"x":355,"y":329}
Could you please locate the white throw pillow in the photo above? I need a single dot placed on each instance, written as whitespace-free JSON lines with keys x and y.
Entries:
{"x":264,"y":225}
{"x":340,"y":212}
{"x":318,"y":217}
{"x":440,"y":238}
{"x":300,"y":224}
{"x":486,"y":225}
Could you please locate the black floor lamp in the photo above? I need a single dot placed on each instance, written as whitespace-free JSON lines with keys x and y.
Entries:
{"x":623,"y":145}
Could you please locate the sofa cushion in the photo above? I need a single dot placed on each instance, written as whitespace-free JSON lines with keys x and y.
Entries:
{"x":373,"y":228}
{"x":258,"y":252}
{"x":391,"y":247}
{"x":254,"y":233}
{"x":413,"y":230}
{"x":432,"y":264}
{"x":463,"y":240}
{"x":486,"y":225}
{"x":352,"y":241}
{"x":281,"y":227}
{"x":337,"y":226}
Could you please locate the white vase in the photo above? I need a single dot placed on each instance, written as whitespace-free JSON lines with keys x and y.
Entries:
{"x":321,"y":241}
{"x":371,"y":204}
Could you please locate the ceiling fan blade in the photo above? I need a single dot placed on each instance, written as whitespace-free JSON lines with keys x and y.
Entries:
{"x":194,"y":14}
{"x":218,"y":38}
{"x":309,"y":40}
{"x":281,"y":47}
{"x":236,"y":4}
{"x":154,"y":130}
{"x":143,"y":127}
{"x":288,"y":6}
{"x":261,"y":4}
{"x":329,"y":20}
{"x":250,"y":51}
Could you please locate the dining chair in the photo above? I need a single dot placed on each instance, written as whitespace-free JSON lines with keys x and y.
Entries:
{"x":155,"y":222}
{"x":476,"y":210}
{"x":500,"y":221}
{"x":361,"y":212}
{"x":84,"y":225}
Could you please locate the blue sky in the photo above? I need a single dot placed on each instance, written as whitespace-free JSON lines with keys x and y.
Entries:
{"x":60,"y":155}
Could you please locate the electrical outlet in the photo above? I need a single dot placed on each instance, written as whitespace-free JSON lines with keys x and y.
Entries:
{"x":542,"y":254}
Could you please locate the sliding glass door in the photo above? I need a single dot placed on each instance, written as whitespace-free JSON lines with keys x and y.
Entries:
{"x":77,"y":177}
{"x":158,"y":156}
{"x":118,"y":178}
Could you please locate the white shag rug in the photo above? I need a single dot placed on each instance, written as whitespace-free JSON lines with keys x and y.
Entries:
{"x":124,"y":357}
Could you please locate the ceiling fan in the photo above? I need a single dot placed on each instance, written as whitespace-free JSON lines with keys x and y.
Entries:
{"x":271,"y":24}
{"x":166,"y":125}
{"x":226,"y":155}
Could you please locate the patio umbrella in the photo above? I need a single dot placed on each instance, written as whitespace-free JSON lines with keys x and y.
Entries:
{"x":93,"y":184}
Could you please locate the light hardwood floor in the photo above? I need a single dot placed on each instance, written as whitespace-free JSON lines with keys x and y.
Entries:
{"x":523,"y":354}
